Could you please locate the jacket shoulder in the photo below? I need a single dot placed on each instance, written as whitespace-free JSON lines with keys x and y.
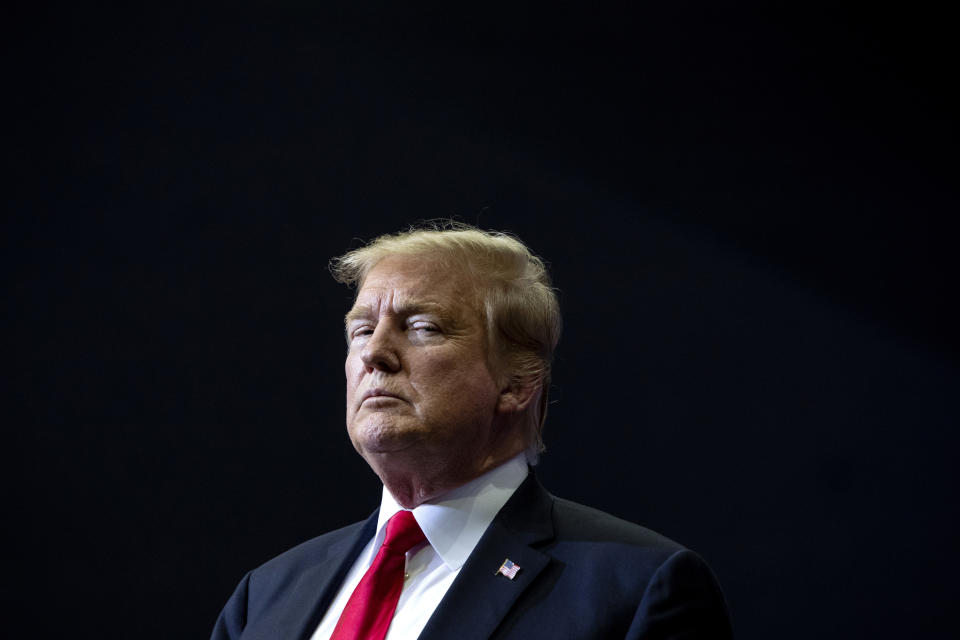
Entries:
{"x":284,"y":591}
{"x":285,"y":569}
{"x":579,"y":522}
{"x":610,"y":578}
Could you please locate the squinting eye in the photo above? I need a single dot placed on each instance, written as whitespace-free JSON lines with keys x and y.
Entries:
{"x":362,"y":331}
{"x":423,"y":326}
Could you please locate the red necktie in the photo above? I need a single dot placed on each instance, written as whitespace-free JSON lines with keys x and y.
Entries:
{"x":370,"y":609}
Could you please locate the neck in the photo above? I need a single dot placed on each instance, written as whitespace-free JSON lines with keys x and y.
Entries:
{"x":412,"y":485}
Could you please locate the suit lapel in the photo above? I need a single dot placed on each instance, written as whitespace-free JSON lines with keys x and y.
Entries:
{"x":318,"y":585}
{"x":479,"y":598}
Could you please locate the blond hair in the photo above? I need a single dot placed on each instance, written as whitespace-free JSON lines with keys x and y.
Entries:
{"x":519,"y":305}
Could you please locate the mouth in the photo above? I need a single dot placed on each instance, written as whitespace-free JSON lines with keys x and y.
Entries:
{"x":379,"y":393}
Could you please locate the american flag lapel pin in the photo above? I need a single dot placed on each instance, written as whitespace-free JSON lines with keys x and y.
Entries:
{"x":509,"y":568}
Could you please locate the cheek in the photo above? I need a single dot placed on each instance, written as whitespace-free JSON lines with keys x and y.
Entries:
{"x":352,"y":378}
{"x":435,"y":372}
{"x":352,"y":364}
{"x":452,"y":383}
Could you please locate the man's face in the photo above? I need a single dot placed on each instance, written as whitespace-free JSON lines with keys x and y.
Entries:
{"x":418,"y":384}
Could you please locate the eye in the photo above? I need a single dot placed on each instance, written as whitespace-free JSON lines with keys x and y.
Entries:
{"x":424,"y":327}
{"x":361,"y":331}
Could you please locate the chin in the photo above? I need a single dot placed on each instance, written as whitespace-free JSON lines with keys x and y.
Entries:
{"x":383,"y":436}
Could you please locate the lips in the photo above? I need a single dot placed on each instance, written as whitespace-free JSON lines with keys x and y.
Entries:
{"x":379,"y":393}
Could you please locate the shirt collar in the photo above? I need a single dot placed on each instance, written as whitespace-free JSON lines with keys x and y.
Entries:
{"x":454,"y":522}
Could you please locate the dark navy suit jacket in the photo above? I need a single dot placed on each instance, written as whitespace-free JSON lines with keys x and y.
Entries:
{"x":583,"y":574}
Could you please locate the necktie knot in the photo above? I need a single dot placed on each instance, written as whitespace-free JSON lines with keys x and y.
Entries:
{"x":403,"y":533}
{"x":370,"y":608}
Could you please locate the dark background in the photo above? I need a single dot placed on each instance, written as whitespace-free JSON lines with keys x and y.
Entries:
{"x":748,"y":211}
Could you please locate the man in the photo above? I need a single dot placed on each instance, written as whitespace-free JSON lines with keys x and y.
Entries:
{"x":451,"y":338}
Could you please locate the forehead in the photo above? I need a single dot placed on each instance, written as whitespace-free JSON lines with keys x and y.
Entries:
{"x":415,"y":281}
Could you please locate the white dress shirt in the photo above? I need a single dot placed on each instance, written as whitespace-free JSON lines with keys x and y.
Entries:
{"x":452,"y":524}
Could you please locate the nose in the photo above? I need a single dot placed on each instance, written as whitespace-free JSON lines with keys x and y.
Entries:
{"x":380,"y":352}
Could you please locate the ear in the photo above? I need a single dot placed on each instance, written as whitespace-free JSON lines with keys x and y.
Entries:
{"x":518,"y":395}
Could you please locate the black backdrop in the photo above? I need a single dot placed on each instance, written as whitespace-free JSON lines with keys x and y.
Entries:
{"x":746,"y":211}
